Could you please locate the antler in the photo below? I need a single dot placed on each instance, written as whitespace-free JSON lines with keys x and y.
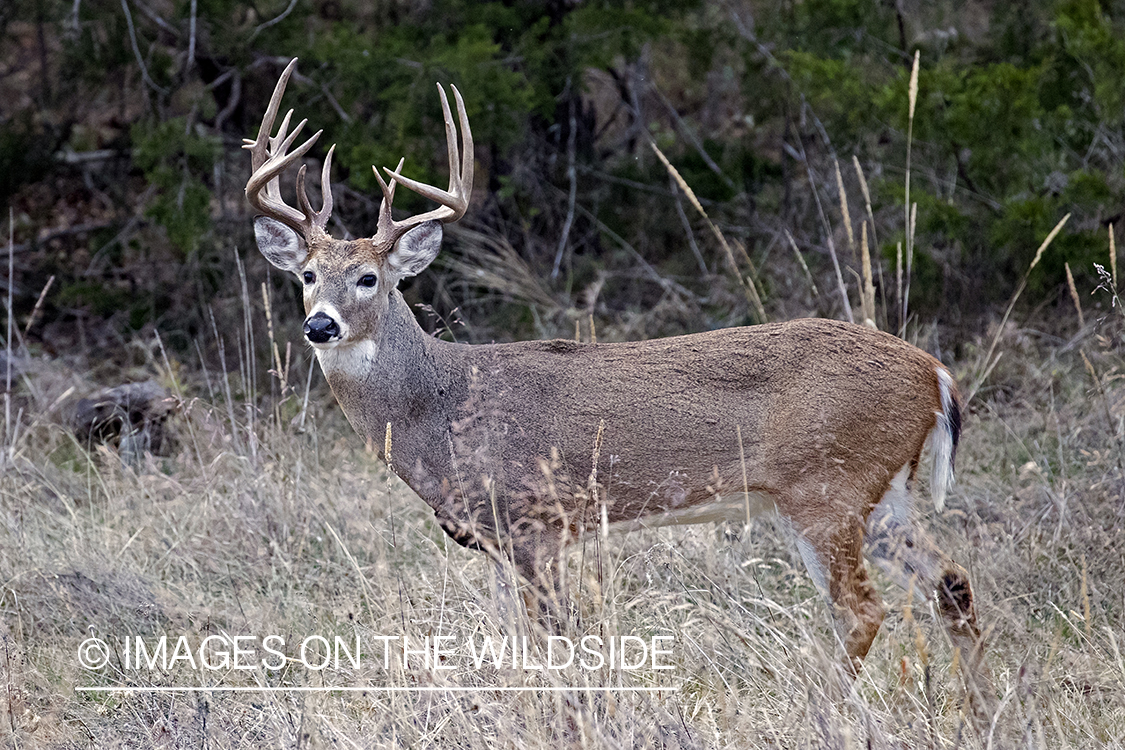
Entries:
{"x":270,"y":156}
{"x":454,"y":200}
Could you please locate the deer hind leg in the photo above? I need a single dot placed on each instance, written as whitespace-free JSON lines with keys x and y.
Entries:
{"x":910,"y":557}
{"x":833,"y":556}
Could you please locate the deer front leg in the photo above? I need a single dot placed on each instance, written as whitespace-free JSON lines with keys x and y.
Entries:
{"x":537,"y":555}
{"x":506,"y":602}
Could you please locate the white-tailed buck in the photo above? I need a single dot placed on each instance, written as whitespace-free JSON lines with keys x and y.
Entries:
{"x":520,"y":448}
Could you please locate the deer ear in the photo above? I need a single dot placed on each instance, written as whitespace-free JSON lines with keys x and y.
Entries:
{"x":416,"y":250}
{"x":280,"y":244}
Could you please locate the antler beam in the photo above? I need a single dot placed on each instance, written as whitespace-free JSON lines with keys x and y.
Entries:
{"x":270,"y":156}
{"x":454,"y":200}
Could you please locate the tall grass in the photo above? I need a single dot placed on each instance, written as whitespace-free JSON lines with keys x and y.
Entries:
{"x":254,"y":526}
{"x":269,"y":517}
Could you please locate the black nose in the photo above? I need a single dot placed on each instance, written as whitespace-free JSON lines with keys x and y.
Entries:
{"x":320,"y":328}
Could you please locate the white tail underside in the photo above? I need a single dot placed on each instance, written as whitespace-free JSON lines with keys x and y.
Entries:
{"x":941,"y":443}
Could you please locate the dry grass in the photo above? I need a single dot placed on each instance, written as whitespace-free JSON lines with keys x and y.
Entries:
{"x":305,"y":534}
{"x":270,"y":519}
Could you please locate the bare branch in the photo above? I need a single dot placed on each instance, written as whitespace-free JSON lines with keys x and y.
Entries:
{"x":232,"y":102}
{"x":327,"y":95}
{"x":687,"y":228}
{"x":274,"y":21}
{"x":157,"y":19}
{"x":71,"y":23}
{"x":191,"y":39}
{"x":572,"y":178}
{"x":828,"y":236}
{"x":689,"y":136}
{"x":137,"y":49}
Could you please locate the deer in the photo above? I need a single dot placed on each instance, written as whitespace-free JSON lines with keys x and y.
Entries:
{"x":521,"y":448}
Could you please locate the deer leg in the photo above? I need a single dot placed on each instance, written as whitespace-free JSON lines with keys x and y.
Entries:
{"x":904,"y":552}
{"x":506,"y":604}
{"x":898,"y":546}
{"x":833,"y":555}
{"x":955,"y":602}
{"x":908,"y":555}
{"x":537,"y":555}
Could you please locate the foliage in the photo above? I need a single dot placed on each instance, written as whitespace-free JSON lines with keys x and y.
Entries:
{"x":174,"y":160}
{"x":24,"y":155}
{"x":1020,"y":119}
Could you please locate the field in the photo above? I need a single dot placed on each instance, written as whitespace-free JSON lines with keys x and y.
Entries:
{"x":277,"y":521}
{"x":240,"y":571}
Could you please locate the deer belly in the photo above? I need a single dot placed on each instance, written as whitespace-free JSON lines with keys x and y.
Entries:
{"x":733,"y":507}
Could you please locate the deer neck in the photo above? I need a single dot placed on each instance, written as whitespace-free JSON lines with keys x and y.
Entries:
{"x":402,"y":376}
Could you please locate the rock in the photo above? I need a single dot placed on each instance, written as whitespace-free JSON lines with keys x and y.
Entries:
{"x":131,"y":417}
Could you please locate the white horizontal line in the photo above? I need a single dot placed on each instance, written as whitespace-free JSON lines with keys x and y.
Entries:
{"x":371,"y":689}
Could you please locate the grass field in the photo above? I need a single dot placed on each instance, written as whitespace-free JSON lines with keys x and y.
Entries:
{"x":253,"y":527}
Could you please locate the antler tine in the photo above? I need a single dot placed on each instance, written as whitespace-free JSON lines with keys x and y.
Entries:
{"x":275,"y":140}
{"x":388,"y":191}
{"x":468,"y":157}
{"x":268,"y":176}
{"x":319,"y":218}
{"x":258,"y":146}
{"x":302,"y":196}
{"x":325,"y":212}
{"x":277,"y":151}
{"x":451,"y":142}
{"x":270,"y":156}
{"x":454,"y":201}
{"x":272,"y":174}
{"x":388,"y":229}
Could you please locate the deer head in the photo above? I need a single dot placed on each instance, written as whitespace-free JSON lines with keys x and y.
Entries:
{"x":347,"y":283}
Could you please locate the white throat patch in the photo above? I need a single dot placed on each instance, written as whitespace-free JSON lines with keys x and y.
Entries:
{"x":352,"y":361}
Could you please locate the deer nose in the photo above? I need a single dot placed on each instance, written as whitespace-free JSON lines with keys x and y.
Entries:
{"x":319,"y":328}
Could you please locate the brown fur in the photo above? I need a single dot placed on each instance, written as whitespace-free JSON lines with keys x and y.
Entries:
{"x":820,"y":404}
{"x":829,"y":412}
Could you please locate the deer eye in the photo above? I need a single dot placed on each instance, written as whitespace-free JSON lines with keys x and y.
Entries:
{"x":309,"y":277}
{"x":368,"y":280}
